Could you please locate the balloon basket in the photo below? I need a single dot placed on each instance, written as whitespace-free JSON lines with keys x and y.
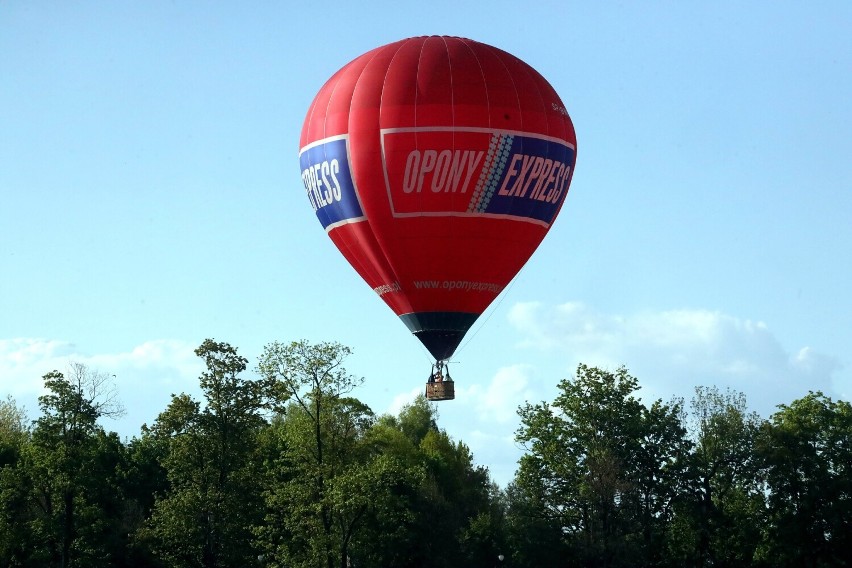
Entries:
{"x":440,"y":391}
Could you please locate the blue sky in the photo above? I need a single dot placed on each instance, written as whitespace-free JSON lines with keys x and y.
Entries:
{"x":151,"y":198}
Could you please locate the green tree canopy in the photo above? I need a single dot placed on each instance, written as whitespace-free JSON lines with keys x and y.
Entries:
{"x":806,"y":451}
{"x":601,"y":469}
{"x":208,"y":452}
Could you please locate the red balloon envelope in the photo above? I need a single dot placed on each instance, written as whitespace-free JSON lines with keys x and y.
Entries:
{"x":437,"y":165}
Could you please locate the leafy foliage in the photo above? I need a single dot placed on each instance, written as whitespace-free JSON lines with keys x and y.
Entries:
{"x":601,"y":469}
{"x":204,"y":518}
{"x":289,"y":469}
{"x":728,"y":498}
{"x":806,"y":453}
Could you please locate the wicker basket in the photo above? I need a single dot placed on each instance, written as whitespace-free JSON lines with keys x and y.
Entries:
{"x":440,"y":391}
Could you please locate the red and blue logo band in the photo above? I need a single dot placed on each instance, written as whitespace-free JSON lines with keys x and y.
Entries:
{"x":446,"y":172}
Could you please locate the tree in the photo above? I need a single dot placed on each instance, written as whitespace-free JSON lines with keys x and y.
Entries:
{"x":534,"y":537}
{"x":144,"y":480}
{"x":806,"y":453}
{"x":393,"y":533}
{"x":374,"y":501}
{"x":205,"y":517}
{"x":457,"y":501}
{"x":661,"y":477}
{"x":320,"y":435}
{"x":728,"y":498}
{"x":437,"y":508}
{"x":13,"y":431}
{"x":70,"y":460}
{"x":15,"y":513}
{"x":601,"y":469}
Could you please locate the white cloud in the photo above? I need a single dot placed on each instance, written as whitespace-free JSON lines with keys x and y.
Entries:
{"x":146,"y":375}
{"x":496,"y":449}
{"x":402,"y":399}
{"x":484,"y":416}
{"x":498,"y":400}
{"x":672,"y":351}
{"x":23,"y":361}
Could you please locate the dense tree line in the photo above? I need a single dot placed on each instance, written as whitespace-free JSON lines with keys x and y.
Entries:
{"x":289,"y":469}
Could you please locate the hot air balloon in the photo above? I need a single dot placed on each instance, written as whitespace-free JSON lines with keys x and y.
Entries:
{"x":436,"y":166}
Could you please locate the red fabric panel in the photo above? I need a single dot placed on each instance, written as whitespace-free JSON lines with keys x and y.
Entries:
{"x":460,"y":156}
